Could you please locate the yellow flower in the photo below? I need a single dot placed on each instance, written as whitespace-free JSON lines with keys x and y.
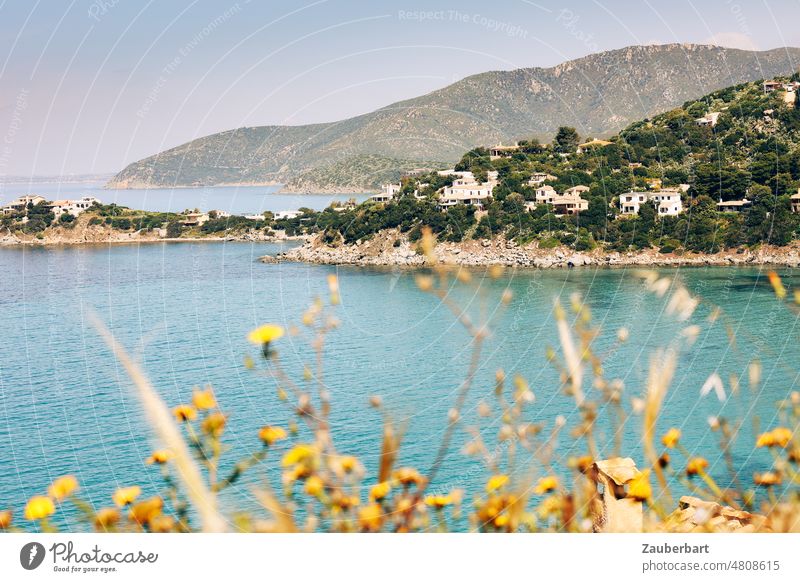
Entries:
{"x":159,"y":457}
{"x":265,"y":334}
{"x":204,"y":399}
{"x":671,"y":438}
{"x":408,"y":476}
{"x":777,"y":284}
{"x":371,"y":517}
{"x":214,"y":424}
{"x":39,"y":507}
{"x":765,"y":439}
{"x":184,"y":412}
{"x":582,"y":464}
{"x":348,"y":463}
{"x":298,"y":454}
{"x":126,"y":495}
{"x":5,"y":518}
{"x":106,"y":518}
{"x":380,"y":491}
{"x":767,"y":479}
{"x":161,"y":523}
{"x":545,"y":485}
{"x":639,"y":487}
{"x":144,"y":511}
{"x":315,"y":486}
{"x":777,"y":437}
{"x":696,"y":465}
{"x":496,"y":482}
{"x":438,"y":501}
{"x":63,"y":487}
{"x":270,"y":434}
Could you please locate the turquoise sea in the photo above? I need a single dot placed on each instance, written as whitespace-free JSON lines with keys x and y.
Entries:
{"x":184,"y":310}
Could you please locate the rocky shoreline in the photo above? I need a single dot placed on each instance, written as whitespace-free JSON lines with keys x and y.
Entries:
{"x":94,"y":235}
{"x":393,"y":249}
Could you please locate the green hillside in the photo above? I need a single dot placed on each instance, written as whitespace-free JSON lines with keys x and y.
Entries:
{"x":598,"y":94}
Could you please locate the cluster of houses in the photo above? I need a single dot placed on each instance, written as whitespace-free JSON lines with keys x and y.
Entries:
{"x":466,"y":189}
{"x":57,"y":207}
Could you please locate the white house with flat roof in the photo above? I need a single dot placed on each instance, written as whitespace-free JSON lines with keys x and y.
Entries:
{"x":387,"y":193}
{"x":795,"y":201}
{"x":734,"y":205}
{"x":538,"y":178}
{"x":572,"y":204}
{"x":668,"y":202}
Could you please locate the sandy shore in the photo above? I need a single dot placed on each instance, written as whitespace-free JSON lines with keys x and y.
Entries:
{"x":395,"y":250}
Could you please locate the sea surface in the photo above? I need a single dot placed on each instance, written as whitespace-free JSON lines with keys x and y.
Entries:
{"x":233,"y":199}
{"x":184,"y":310}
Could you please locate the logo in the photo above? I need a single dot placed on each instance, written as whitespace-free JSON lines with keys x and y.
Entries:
{"x":31,"y":555}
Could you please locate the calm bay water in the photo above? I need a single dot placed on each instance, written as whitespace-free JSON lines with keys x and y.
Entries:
{"x":234,"y":199}
{"x":184,"y":310}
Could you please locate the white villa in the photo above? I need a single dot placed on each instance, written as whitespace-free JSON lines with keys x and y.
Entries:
{"x":572,"y":204}
{"x":467,"y":190}
{"x":388,"y":191}
{"x":668,"y":202}
{"x":73,"y":207}
{"x":21,"y":203}
{"x":795,"y":200}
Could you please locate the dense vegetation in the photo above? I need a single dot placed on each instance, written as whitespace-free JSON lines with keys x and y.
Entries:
{"x":752,"y":151}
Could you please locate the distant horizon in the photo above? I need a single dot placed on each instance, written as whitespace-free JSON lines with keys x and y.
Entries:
{"x":92,"y":87}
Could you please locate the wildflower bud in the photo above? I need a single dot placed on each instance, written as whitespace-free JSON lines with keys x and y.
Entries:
{"x":424,"y":282}
{"x":484,"y":410}
{"x":496,"y":271}
{"x":507,"y":296}
{"x":463,"y":276}
{"x":5,"y":519}
{"x":375,"y":401}
{"x":623,"y":334}
{"x":452,"y":415}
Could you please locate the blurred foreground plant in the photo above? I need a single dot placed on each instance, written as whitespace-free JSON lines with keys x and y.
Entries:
{"x":527,"y":489}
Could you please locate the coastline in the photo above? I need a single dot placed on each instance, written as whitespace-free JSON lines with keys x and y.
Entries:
{"x":395,"y":250}
{"x":99,"y":235}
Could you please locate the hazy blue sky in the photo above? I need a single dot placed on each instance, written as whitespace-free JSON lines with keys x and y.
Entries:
{"x":89,"y":86}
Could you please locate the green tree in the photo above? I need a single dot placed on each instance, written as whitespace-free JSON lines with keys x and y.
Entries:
{"x":566,"y":140}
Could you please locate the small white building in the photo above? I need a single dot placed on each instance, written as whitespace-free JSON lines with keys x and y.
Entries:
{"x":795,"y":201}
{"x":195,"y":218}
{"x":539,"y":178}
{"x":576,"y":190}
{"x":668,"y":202}
{"x":287,"y":214}
{"x":572,"y":204}
{"x":734,"y":205}
{"x":709,"y":119}
{"x":388,"y":192}
{"x":629,"y":202}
